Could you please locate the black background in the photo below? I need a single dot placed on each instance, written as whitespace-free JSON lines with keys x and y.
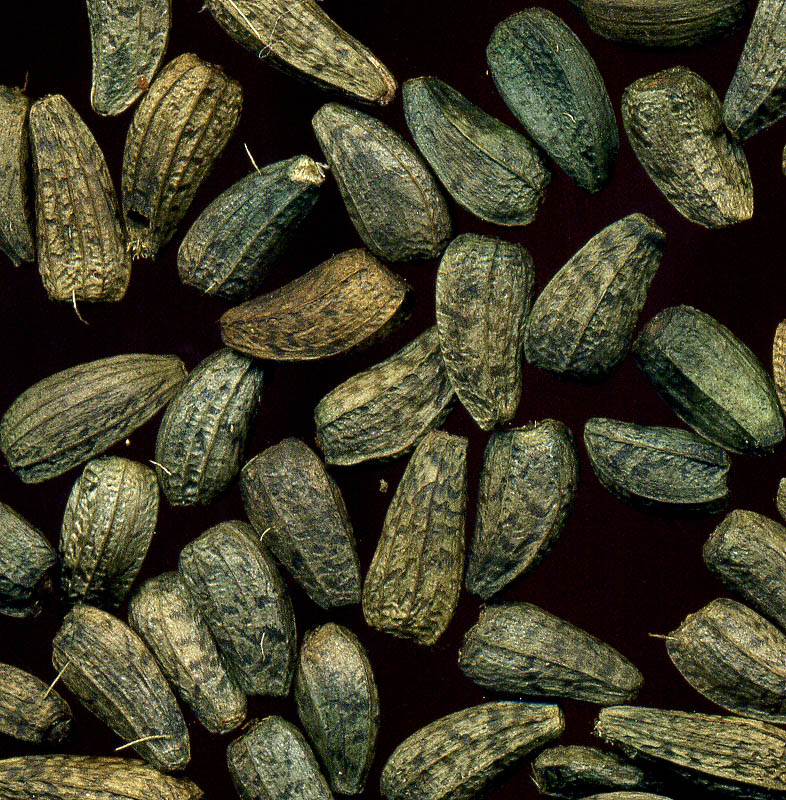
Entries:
{"x":616,"y":572}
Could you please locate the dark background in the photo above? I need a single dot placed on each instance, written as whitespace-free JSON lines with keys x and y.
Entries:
{"x":616,"y":572}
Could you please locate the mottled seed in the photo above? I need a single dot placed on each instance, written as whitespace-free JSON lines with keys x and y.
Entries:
{"x":29,"y":710}
{"x":780,"y":500}
{"x":779,"y":363}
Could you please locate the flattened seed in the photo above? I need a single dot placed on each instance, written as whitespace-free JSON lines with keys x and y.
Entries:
{"x":674,"y":125}
{"x":494,"y":172}
{"x":582,"y":323}
{"x":383,"y":412}
{"x":108,"y":524}
{"x":392,"y":198}
{"x":202,"y":438}
{"x":484,"y":294}
{"x":338,"y":704}
{"x":711,"y":380}
{"x":128,"y":40}
{"x":779,"y":363}
{"x":89,"y":778}
{"x":80,"y":240}
{"x":527,"y":486}
{"x":238,"y":590}
{"x":165,"y":615}
{"x":178,"y":131}
{"x":273,"y":760}
{"x":747,"y":551}
{"x":456,"y":756}
{"x":780,"y":500}
{"x":17,"y":238}
{"x":733,"y":656}
{"x":108,"y":667}
{"x":73,"y":415}
{"x":297,"y":507}
{"x":346,"y":301}
{"x":550,"y":82}
{"x":518,"y":648}
{"x":237,"y":239}
{"x":26,"y":559}
{"x":657,"y":468}
{"x":29,"y":710}
{"x":301,"y":39}
{"x":627,"y":796}
{"x":413,"y":583}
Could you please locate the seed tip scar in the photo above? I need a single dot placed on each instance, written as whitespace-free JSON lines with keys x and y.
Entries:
{"x":161,"y":466}
{"x":262,"y":644}
{"x":251,"y":158}
{"x":57,"y":678}
{"x":262,"y":535}
{"x":660,"y":636}
{"x":140,"y":741}
{"x":76,"y":309}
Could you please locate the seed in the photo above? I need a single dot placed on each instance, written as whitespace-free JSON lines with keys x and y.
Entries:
{"x":289,"y":495}
{"x":29,"y":711}
{"x":711,"y":380}
{"x":179,"y":129}
{"x":779,"y":363}
{"x":80,"y":240}
{"x":17,"y":239}
{"x":550,"y":82}
{"x":89,"y":778}
{"x":582,"y":323}
{"x":301,"y":38}
{"x":273,"y":760}
{"x":338,"y":705}
{"x":128,"y":40}
{"x":73,"y":415}
{"x":456,"y":756}
{"x":780,"y":500}
{"x":237,"y":589}
{"x":518,"y":648}
{"x":391,"y":197}
{"x":202,"y":438}
{"x":627,"y":796}
{"x":674,"y":125}
{"x":383,"y":412}
{"x":494,"y":172}
{"x":527,"y":485}
{"x":484,"y":294}
{"x":657,"y":468}
{"x":346,"y":301}
{"x":116,"y":677}
{"x":165,"y":615}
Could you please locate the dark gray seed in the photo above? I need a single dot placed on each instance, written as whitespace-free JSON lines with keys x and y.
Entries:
{"x":779,"y":363}
{"x":756,"y":97}
{"x":298,"y":511}
{"x":107,"y":666}
{"x":108,"y":524}
{"x":391,"y":197}
{"x":527,"y":486}
{"x":657,"y":468}
{"x":780,"y":500}
{"x":456,"y":756}
{"x":26,"y":560}
{"x":733,"y":656}
{"x":178,"y":131}
{"x":413,"y":583}
{"x":165,"y":615}
{"x":31,"y":711}
{"x":674,"y":125}
{"x":711,"y":380}
{"x":17,"y":237}
{"x":128,"y":40}
{"x":484,"y":293}
{"x":574,"y":772}
{"x":272,"y":760}
{"x":747,"y":551}
{"x":237,"y":239}
{"x":550,"y":82}
{"x":518,"y":648}
{"x":582,"y":323}
{"x":338,"y":704}
{"x":302,"y":40}
{"x":74,"y":415}
{"x":238,"y":590}
{"x":383,"y":412}
{"x":89,"y":778}
{"x":494,"y":172}
{"x":202,"y":439}
{"x":80,"y":241}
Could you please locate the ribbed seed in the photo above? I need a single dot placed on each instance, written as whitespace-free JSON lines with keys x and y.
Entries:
{"x":30,"y":710}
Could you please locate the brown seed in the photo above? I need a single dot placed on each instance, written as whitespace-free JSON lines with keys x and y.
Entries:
{"x":30,"y":710}
{"x":344,"y":302}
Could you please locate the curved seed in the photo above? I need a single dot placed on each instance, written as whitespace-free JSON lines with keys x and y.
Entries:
{"x":30,"y":710}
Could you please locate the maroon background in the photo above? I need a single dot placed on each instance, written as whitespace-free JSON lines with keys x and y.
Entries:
{"x":619,"y":573}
